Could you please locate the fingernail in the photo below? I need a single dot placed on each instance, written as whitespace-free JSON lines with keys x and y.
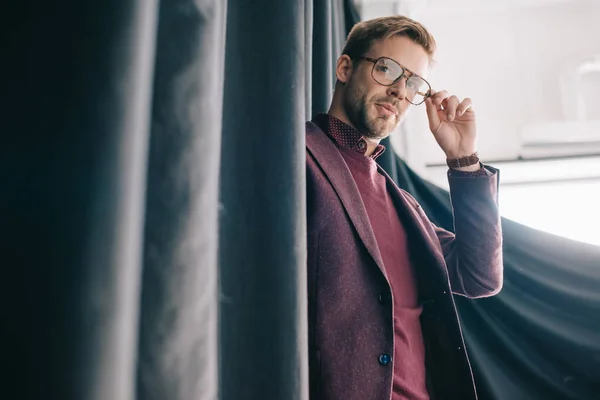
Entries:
{"x":450,"y":116}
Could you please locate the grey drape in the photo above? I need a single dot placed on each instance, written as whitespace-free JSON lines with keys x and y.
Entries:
{"x":152,"y":186}
{"x":262,"y":245}
{"x":77,"y":84}
{"x":178,"y":353}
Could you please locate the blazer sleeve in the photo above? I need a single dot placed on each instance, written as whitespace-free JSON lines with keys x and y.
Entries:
{"x":474,"y":254}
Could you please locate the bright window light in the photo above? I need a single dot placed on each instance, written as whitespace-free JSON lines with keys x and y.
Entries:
{"x":570,"y":209}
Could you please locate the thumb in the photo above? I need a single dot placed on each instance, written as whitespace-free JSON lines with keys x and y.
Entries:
{"x":432,"y":114}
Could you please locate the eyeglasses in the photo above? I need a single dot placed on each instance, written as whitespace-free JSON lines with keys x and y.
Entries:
{"x":387,"y":72}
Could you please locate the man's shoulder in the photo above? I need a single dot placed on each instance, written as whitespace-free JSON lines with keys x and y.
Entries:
{"x":312,"y":128}
{"x":315,"y":137}
{"x":321,"y":152}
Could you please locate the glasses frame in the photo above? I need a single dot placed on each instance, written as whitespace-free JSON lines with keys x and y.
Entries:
{"x":404,"y":70}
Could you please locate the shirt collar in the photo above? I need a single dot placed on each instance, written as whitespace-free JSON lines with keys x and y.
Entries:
{"x":344,"y":135}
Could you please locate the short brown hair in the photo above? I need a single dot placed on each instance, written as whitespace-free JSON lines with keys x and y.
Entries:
{"x":363,"y":34}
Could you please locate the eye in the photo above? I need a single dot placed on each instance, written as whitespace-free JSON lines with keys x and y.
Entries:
{"x":382,"y":68}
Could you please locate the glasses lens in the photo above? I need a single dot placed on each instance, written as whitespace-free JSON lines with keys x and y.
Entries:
{"x":416,"y":89}
{"x":386,"y":71}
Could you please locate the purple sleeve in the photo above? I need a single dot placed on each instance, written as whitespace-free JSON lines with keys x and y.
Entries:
{"x":480,"y":172}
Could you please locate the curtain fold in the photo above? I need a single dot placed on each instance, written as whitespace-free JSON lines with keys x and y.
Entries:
{"x":178,"y":351}
{"x":76,"y":107}
{"x":262,"y":233}
{"x":263,"y":216}
{"x":323,"y":71}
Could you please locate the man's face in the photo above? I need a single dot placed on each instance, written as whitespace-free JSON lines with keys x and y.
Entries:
{"x":376,"y":110}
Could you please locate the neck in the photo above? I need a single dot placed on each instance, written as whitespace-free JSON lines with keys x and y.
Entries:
{"x":371,"y":146}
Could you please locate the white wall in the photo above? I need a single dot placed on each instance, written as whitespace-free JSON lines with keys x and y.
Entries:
{"x":507,"y":56}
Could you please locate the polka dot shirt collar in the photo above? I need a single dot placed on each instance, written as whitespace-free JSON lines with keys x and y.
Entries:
{"x":345,"y":135}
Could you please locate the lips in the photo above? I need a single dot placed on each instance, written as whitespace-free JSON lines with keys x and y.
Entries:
{"x":387,"y":107}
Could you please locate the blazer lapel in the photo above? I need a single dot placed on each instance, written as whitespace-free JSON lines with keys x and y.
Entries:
{"x":333,"y":165}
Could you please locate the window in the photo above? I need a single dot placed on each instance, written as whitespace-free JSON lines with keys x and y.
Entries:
{"x":570,"y":208}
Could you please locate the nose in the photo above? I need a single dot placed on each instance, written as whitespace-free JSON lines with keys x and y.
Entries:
{"x":398,"y":89}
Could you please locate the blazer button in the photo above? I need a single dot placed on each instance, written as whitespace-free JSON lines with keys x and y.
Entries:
{"x":384,"y":298}
{"x":385,"y":359}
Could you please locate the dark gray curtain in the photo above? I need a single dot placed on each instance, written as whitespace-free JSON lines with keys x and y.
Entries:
{"x":332,"y":22}
{"x":262,"y":246}
{"x":76,"y":111}
{"x":152,"y":196}
{"x":178,"y":330}
{"x":273,"y":53}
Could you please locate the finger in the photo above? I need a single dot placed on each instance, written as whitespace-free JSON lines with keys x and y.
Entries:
{"x":450,"y":107}
{"x":465,"y":105}
{"x":432,"y":114}
{"x":444,"y":104}
{"x":439,"y":97}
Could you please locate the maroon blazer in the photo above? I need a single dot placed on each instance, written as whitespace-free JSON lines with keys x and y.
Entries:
{"x":350,"y":309}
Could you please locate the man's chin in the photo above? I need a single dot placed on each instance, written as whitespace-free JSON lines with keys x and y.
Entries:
{"x":378,"y":135}
{"x":381,"y":129}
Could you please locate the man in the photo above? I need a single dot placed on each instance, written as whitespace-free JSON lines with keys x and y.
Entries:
{"x":382,"y":319}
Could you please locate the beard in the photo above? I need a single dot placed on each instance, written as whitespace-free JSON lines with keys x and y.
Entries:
{"x":363,"y":115}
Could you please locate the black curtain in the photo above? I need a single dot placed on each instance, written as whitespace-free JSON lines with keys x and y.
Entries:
{"x":76,"y":111}
{"x":152,"y":199}
{"x":263,"y":230}
{"x":540,"y":337}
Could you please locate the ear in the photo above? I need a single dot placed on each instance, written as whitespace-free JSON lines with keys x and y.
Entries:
{"x":343,"y":69}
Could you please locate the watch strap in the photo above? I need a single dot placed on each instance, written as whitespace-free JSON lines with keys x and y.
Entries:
{"x":463,"y":161}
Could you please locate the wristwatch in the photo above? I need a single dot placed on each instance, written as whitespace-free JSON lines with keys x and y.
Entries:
{"x":463,"y":162}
